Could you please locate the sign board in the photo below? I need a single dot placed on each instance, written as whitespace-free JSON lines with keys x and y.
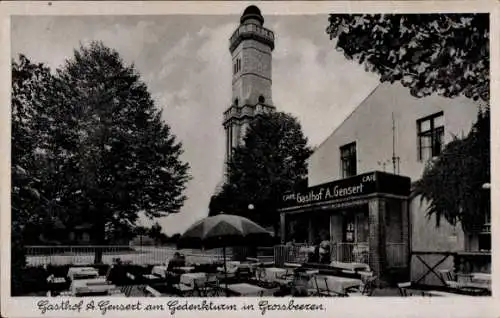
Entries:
{"x":364,"y":184}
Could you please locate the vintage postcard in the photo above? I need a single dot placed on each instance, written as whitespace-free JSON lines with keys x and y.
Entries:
{"x":249,"y":158}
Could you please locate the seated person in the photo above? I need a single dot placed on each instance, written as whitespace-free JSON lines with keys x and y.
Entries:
{"x":176,"y":261}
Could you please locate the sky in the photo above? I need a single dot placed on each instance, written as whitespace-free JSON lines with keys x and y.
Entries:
{"x":186,"y":64}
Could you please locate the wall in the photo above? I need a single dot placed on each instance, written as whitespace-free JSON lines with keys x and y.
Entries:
{"x":254,"y":78}
{"x":370,"y":126}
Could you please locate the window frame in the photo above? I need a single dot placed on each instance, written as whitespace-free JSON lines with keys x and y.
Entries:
{"x":433,"y":131}
{"x":351,"y":169}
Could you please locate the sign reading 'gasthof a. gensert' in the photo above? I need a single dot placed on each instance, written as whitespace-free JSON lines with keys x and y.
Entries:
{"x":364,"y":184}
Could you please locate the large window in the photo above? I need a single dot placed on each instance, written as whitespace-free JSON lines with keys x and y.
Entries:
{"x":430,"y":132}
{"x":348,"y":160}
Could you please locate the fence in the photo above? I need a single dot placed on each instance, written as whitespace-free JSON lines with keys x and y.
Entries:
{"x":143,"y":255}
{"x":350,"y":252}
{"x":426,"y":267}
{"x":396,"y":253}
{"x":290,"y":254}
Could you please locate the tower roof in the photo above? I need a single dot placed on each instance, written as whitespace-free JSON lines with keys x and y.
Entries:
{"x":252,"y":12}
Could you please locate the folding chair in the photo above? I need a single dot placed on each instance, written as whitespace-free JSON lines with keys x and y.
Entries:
{"x":403,"y":289}
{"x":127,"y":290}
{"x":151,"y":292}
{"x":185,"y":290}
{"x":212,"y":286}
{"x":243,"y":273}
{"x":325,"y":292}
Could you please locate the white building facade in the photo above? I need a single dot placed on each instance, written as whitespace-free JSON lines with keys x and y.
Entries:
{"x":389,"y":137}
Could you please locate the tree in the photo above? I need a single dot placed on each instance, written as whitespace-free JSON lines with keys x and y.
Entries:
{"x":453,"y":183}
{"x":127,"y":159}
{"x":93,"y":143}
{"x":271,"y":160}
{"x":447,"y":54}
{"x":155,"y":232}
{"x":29,"y":102}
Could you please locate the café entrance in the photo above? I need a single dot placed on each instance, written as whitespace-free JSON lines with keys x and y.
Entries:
{"x":364,"y":218}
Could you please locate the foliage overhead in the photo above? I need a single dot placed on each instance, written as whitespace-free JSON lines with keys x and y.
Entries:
{"x":271,"y":161}
{"x":444,"y":54}
{"x":447,"y":54}
{"x":453,"y":183}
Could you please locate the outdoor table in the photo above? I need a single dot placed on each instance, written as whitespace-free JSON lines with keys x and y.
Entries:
{"x":293,"y":265}
{"x":160,"y":271}
{"x":334,"y":283}
{"x":92,"y":285}
{"x":245,"y":289}
{"x":311,"y":272}
{"x":481,"y":277}
{"x":351,"y":266}
{"x":75,"y":272}
{"x":190,"y":278}
{"x":185,"y":269}
{"x":433,"y":293}
{"x":272,"y":273}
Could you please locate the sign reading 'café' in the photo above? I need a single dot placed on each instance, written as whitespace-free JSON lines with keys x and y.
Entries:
{"x":351,"y":187}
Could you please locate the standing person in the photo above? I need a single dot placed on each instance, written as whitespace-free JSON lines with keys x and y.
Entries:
{"x":316,"y":253}
{"x":324,"y":252}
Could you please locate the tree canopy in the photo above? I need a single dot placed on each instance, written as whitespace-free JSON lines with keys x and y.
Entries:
{"x":447,"y":54}
{"x":271,"y":160}
{"x":98,"y":145}
{"x":453,"y":183}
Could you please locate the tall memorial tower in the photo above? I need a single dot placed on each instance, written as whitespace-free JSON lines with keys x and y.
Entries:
{"x":251,"y":47}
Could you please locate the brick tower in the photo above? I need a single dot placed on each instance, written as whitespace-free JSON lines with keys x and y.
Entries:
{"x":251,"y":47}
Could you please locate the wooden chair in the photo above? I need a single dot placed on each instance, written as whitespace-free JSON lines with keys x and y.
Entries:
{"x":324,"y":291}
{"x":212,"y":288}
{"x":185,"y":290}
{"x":449,"y":278}
{"x":287,"y":278}
{"x":403,"y":289}
{"x":127,"y":290}
{"x":151,"y":292}
{"x":367,"y":286}
{"x":243,"y":273}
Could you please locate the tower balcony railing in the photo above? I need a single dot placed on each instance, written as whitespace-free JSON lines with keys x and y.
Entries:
{"x":246,"y":111}
{"x":249,"y":31}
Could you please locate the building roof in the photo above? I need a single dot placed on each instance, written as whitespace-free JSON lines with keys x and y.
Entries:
{"x":348,"y":116}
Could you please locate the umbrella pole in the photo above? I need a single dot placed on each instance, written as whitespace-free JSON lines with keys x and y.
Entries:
{"x":225,"y":268}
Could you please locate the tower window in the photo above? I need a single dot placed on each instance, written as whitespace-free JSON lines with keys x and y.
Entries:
{"x":261,"y":99}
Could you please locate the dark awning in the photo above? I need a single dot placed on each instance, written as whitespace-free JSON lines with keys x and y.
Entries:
{"x":344,"y":190}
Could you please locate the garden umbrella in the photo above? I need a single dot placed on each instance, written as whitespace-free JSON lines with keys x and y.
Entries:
{"x":224,"y":230}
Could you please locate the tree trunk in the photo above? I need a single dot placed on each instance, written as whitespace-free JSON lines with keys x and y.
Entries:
{"x":99,"y":229}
